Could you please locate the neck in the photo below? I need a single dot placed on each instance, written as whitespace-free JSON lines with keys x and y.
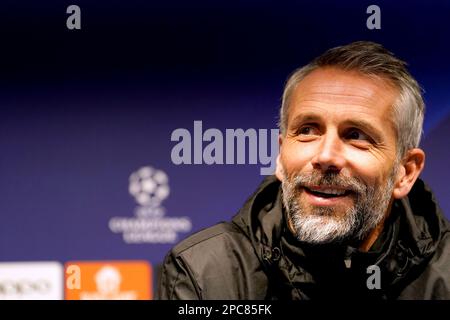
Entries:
{"x":367,"y":243}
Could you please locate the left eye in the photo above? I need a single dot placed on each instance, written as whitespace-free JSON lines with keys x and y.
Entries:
{"x":357,"y":135}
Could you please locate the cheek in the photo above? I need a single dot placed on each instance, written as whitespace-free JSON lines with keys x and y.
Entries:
{"x":295,"y":158}
{"x":372,"y":170}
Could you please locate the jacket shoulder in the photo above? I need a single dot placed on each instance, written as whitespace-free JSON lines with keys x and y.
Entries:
{"x":216,"y":263}
{"x":434,"y":282}
{"x":208,"y":237}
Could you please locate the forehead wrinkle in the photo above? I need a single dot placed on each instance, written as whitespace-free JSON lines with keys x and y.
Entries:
{"x":340,"y":87}
{"x":313,"y":103}
{"x":327,"y":106}
{"x":338,"y":80}
{"x":345,"y":98}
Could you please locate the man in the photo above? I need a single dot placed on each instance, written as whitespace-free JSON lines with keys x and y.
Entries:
{"x":345,"y":215}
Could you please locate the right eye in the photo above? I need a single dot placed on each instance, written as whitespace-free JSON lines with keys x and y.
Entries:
{"x":307,"y":130}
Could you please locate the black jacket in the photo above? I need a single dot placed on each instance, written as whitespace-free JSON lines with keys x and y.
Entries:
{"x":256,"y":257}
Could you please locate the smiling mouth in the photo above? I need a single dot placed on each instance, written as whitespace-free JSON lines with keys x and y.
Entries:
{"x":327,"y":192}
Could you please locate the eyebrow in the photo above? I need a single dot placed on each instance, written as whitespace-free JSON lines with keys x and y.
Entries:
{"x":304,"y":117}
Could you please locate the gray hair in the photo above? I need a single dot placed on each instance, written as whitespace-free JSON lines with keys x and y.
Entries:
{"x":371,"y":59}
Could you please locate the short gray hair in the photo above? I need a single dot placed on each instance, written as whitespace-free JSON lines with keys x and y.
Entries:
{"x":371,"y":59}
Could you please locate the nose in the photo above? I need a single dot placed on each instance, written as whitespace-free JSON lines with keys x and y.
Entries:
{"x":329,"y":156}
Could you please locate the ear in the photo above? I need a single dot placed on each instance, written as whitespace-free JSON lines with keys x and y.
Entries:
{"x":410,"y":169}
{"x":279,"y":169}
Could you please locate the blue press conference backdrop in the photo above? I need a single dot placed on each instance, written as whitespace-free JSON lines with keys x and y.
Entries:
{"x":81,"y":111}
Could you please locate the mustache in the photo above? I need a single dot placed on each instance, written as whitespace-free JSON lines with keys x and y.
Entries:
{"x":328,"y":180}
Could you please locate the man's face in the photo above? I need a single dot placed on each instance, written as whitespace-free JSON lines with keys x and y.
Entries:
{"x":337,"y":160}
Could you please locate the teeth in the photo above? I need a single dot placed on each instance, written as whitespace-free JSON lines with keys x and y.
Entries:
{"x":330,"y":191}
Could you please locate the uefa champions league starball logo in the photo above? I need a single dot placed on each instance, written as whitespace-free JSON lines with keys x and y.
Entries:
{"x":149,"y":186}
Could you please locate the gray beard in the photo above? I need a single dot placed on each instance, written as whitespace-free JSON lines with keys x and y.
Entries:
{"x":320,"y":225}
